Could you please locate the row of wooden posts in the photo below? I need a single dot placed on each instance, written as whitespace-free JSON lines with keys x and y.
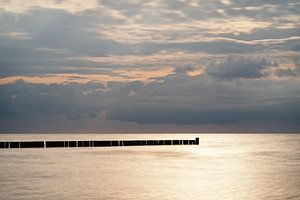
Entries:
{"x":93,"y":143}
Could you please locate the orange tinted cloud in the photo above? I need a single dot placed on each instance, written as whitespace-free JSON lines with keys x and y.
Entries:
{"x":125,"y":76}
{"x":194,"y":73}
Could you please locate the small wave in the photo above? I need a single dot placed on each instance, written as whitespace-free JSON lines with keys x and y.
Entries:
{"x":265,"y":153}
{"x":293,"y":197}
{"x":168,"y":153}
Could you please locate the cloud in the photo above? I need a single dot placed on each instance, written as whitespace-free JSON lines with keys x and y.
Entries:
{"x":236,"y":66}
{"x":291,"y":69}
{"x":161,"y":58}
{"x":285,"y":73}
{"x":182,"y":100}
{"x":157,"y":115}
{"x":190,"y":70}
{"x":16,"y":35}
{"x":129,"y":75}
{"x":179,"y":99}
{"x":179,"y":32}
{"x":16,"y":6}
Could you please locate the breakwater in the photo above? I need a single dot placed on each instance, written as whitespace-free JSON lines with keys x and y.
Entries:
{"x":93,"y":143}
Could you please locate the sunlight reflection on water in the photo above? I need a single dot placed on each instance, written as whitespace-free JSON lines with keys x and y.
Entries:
{"x":221,"y":167}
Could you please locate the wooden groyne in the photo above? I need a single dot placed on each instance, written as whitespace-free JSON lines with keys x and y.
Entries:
{"x":93,"y":143}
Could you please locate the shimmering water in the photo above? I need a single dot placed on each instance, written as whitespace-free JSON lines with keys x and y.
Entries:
{"x":234,"y":166}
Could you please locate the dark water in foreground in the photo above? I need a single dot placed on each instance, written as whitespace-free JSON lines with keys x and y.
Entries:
{"x":222,"y":167}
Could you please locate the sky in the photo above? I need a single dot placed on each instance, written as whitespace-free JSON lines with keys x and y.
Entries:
{"x":149,"y":66}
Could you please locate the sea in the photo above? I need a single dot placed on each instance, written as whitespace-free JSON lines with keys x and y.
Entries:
{"x":223,"y":166}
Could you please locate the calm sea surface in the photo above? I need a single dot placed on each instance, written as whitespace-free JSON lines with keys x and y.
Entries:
{"x":223,"y":166}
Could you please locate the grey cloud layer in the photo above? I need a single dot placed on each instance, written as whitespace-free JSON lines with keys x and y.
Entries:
{"x":180,"y":100}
